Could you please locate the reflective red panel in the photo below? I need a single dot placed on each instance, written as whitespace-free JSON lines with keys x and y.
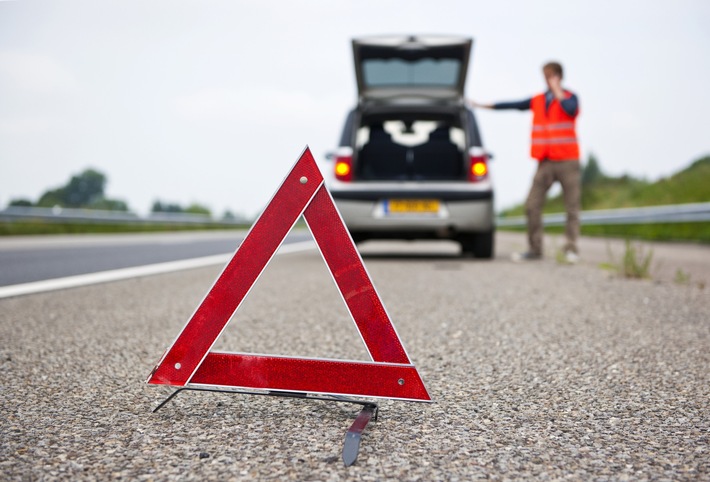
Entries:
{"x":391,"y":375}
{"x":228,"y":292}
{"x":353,"y":281}
{"x":308,"y":375}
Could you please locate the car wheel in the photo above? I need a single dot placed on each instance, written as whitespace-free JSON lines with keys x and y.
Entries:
{"x":479,"y":245}
{"x":358,"y":238}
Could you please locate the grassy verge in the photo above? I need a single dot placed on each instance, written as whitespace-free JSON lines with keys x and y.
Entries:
{"x":694,"y":232}
{"x":41,"y":227}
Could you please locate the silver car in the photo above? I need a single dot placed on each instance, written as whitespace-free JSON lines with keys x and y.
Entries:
{"x":411,"y":164}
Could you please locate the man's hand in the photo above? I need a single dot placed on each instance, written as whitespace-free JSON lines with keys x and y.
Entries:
{"x":473,"y":104}
{"x":555,"y":84}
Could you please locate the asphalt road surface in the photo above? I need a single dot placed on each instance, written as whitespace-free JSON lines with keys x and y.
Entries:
{"x":33,"y":258}
{"x":538,"y":370}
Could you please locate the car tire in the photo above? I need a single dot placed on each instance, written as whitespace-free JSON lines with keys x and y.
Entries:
{"x":358,"y":238}
{"x":479,"y":245}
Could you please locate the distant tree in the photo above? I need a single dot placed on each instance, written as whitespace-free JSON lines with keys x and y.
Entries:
{"x":109,"y":205}
{"x":195,"y":208}
{"x":160,"y":207}
{"x":85,"y":190}
{"x":25,"y":203}
{"x":54,"y":197}
{"x":592,"y":172}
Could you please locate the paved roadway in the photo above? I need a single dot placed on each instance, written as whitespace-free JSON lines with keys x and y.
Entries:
{"x":33,"y":258}
{"x":538,"y":371}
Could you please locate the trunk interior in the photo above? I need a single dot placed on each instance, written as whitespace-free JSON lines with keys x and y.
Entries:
{"x":410,"y":148}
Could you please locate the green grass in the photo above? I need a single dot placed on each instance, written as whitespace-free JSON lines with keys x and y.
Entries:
{"x":681,"y":277}
{"x":42,"y":227}
{"x":634,"y":263}
{"x":694,"y":232}
{"x":698,"y":232}
{"x":689,"y":185}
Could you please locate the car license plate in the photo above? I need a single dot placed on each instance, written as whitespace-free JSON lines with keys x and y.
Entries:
{"x":408,"y":206}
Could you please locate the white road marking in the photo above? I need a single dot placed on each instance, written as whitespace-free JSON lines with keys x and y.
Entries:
{"x":51,"y":241}
{"x":133,"y":272}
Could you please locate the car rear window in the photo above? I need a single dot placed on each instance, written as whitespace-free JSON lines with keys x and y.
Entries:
{"x":405,"y":73}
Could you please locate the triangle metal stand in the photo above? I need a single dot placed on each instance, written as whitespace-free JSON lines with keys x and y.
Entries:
{"x":351,"y":445}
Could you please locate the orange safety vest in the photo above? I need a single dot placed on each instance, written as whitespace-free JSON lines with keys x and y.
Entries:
{"x":553,"y":132}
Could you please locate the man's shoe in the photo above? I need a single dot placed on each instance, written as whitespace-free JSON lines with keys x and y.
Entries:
{"x":526,"y":256}
{"x":571,"y":257}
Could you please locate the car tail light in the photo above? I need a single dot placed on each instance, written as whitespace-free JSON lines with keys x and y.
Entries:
{"x":344,"y":165}
{"x":477,"y":165}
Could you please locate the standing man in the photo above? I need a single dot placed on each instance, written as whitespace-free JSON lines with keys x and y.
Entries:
{"x":555,"y":146}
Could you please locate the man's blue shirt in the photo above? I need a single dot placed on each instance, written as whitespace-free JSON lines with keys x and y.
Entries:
{"x":569,"y":105}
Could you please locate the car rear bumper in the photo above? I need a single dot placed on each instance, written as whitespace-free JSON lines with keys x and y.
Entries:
{"x":377,"y":195}
{"x":368,"y":218}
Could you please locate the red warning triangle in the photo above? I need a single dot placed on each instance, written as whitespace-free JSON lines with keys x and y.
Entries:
{"x":189,"y":361}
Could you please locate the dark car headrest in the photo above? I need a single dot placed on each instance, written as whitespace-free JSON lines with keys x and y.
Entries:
{"x":378,"y":133}
{"x":439,"y":134}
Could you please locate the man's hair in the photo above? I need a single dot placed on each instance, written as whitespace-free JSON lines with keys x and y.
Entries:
{"x":554,"y":67}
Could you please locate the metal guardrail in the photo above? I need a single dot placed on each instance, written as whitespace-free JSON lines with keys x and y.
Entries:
{"x":674,"y":213}
{"x":95,"y":216}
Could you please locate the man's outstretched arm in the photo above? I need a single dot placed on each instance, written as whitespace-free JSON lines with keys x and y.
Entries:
{"x":517,"y":105}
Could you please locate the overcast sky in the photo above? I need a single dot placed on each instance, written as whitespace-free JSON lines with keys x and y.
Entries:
{"x":213,"y":101}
